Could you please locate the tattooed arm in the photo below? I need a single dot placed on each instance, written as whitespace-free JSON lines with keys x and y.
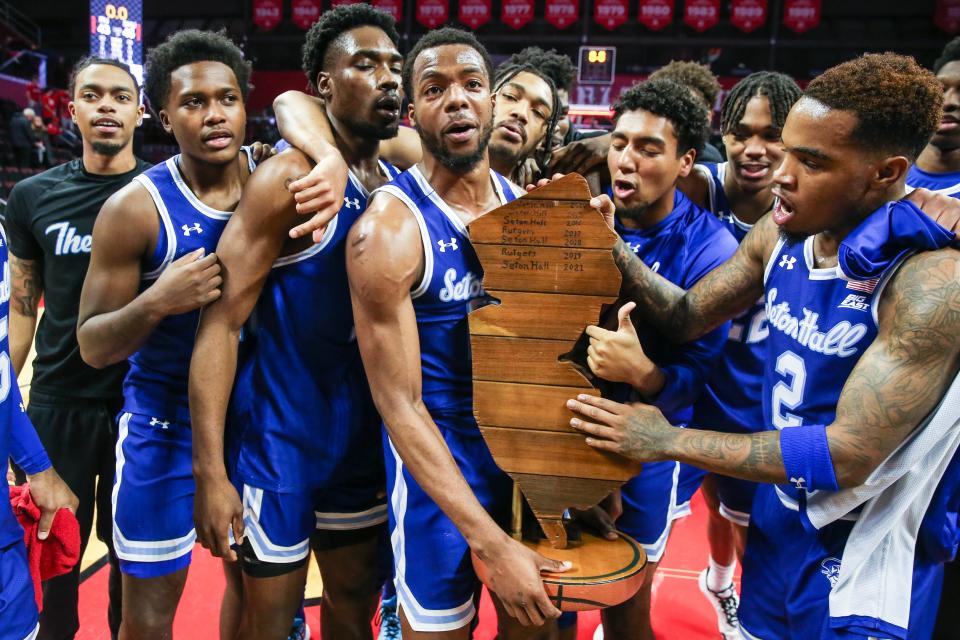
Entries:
{"x":721,"y":295}
{"x":26,"y":288}
{"x":897,"y":382}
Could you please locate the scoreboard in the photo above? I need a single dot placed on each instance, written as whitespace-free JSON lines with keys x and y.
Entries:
{"x":597,"y":65}
{"x":116,"y":32}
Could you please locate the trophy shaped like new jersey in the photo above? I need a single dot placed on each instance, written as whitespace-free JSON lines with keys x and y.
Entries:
{"x":547,"y":259}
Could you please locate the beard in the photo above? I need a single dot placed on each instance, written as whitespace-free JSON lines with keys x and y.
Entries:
{"x":636,"y":214}
{"x":456,"y":162}
{"x":791,"y":238}
{"x":109,"y":149}
{"x":370,"y":131}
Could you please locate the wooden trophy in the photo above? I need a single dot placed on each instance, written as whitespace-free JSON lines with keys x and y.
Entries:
{"x":547,"y":258}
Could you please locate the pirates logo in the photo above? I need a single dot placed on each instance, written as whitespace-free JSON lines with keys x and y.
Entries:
{"x":831,"y":569}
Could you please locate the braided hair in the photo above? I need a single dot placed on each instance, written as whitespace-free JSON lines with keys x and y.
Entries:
{"x":506,"y":72}
{"x":780,"y":91}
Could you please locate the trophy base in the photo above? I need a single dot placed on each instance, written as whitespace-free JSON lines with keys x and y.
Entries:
{"x":605,"y":572}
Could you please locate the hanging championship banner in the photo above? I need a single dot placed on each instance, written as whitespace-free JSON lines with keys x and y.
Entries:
{"x":267,"y":13}
{"x":801,"y":15}
{"x":655,"y":14}
{"x":516,"y":14}
{"x":700,"y":15}
{"x":562,"y":13}
{"x":947,"y":16}
{"x":305,"y":12}
{"x":474,"y":13}
{"x":610,"y":14}
{"x":748,"y":15}
{"x":432,"y":13}
{"x":393,"y":7}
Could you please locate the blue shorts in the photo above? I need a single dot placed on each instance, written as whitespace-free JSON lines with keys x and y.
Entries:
{"x":788,"y":573}
{"x":651,"y":502}
{"x":153,"y":532}
{"x":18,"y":605}
{"x":434,"y":574}
{"x":279,"y":525}
{"x":735,"y":495}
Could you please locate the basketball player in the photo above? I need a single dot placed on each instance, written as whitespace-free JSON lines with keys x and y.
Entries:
{"x":526,"y":113}
{"x":863,"y":318}
{"x":739,"y":193}
{"x":152,"y":268}
{"x":19,"y":441}
{"x":310,"y":467}
{"x":50,"y":219}
{"x":938,"y":167}
{"x":413,"y":276}
{"x":658,"y":130}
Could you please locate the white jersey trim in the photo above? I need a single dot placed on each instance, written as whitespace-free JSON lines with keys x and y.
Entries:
{"x":174,"y":168}
{"x":313,"y":249}
{"x":329,"y":521}
{"x":165,"y":220}
{"x":830,"y":273}
{"x":882,"y":285}
{"x":771,"y":260}
{"x":400,"y":195}
{"x":265,"y":549}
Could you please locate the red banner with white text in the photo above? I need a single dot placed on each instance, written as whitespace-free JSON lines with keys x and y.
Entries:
{"x":701,"y":15}
{"x":516,"y":14}
{"x":393,"y":7}
{"x":474,"y":13}
{"x":947,"y":16}
{"x":432,"y":13}
{"x":748,"y":15}
{"x":610,"y":14}
{"x":562,"y":13}
{"x":305,"y":12}
{"x":801,"y":15}
{"x":267,"y":13}
{"x":655,"y":14}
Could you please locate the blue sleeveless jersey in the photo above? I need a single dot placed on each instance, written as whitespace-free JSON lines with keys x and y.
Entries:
{"x":820,"y":326}
{"x":301,"y":402}
{"x":947,"y":184}
{"x":156,"y":384}
{"x":683,"y":247}
{"x":450,"y":288}
{"x":731,"y":399}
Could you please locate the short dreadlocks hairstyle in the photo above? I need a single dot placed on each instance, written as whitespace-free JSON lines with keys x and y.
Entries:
{"x":692,"y":75}
{"x":89,"y":61}
{"x":950,"y":53}
{"x":187,"y":47}
{"x":898,"y":104}
{"x":322,"y":36}
{"x":505,"y":73}
{"x":779,"y":89}
{"x":556,"y":65}
{"x":439,"y":38}
{"x":667,"y":99}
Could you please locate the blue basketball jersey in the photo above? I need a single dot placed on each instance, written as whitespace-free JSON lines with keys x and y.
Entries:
{"x":302,"y":405}
{"x":156,"y":384}
{"x":820,"y":326}
{"x":947,"y":184}
{"x":450,"y":288}
{"x":683,"y":247}
{"x":730,"y":401}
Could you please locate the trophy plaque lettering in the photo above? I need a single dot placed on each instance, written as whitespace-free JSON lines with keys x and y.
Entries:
{"x":547,"y":259}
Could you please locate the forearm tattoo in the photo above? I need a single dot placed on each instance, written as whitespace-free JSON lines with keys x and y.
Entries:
{"x":27,"y":286}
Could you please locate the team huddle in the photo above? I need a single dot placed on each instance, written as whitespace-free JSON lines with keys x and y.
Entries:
{"x":299,"y":372}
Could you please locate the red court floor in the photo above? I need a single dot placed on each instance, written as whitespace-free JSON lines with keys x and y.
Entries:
{"x":679,"y":610}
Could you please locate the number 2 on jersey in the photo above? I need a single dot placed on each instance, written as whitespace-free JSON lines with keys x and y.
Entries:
{"x":788,"y":395}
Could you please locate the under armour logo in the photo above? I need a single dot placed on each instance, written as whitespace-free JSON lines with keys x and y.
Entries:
{"x":351,"y":203}
{"x":452,"y":245}
{"x":22,"y":408}
{"x":163,"y":423}
{"x":635,"y":247}
{"x":787,"y":261}
{"x":800,"y":483}
{"x":196,"y":227}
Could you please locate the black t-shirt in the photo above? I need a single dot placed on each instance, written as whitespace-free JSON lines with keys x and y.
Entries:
{"x":50,"y":218}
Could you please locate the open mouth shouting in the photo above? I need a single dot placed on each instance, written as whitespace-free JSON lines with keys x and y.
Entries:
{"x":783,"y":210}
{"x":623,"y":189}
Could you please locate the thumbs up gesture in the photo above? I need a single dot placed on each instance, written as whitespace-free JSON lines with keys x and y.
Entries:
{"x":617,"y":356}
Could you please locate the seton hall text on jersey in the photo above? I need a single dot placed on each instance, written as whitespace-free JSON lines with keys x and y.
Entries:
{"x":840,"y":340}
{"x":466,"y":288}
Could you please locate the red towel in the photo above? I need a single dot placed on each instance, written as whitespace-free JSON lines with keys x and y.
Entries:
{"x":56,"y":555}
